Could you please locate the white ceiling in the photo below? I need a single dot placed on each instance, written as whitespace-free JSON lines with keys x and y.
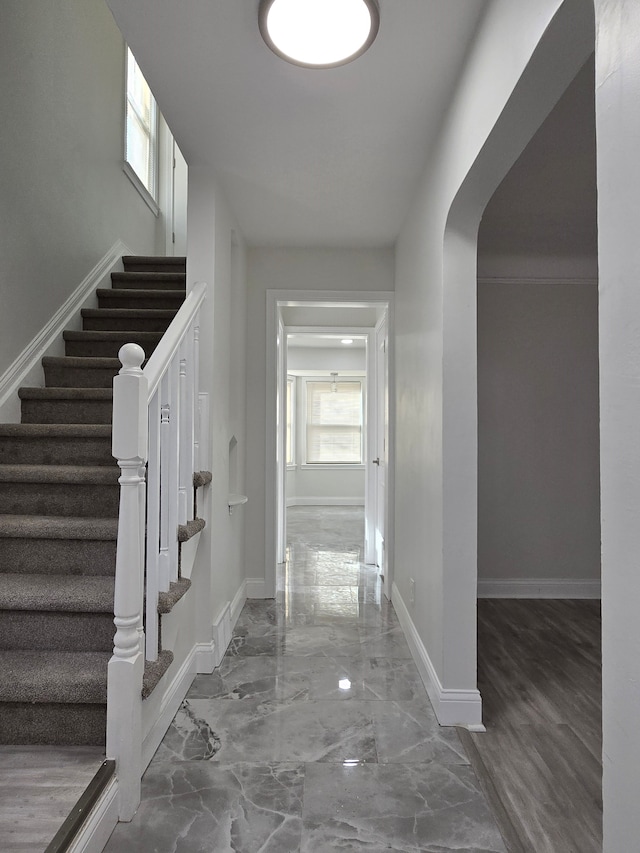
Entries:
{"x":305,"y":157}
{"x":306,"y":341}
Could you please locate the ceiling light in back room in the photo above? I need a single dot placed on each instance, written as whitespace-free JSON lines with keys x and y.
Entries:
{"x":319,"y":33}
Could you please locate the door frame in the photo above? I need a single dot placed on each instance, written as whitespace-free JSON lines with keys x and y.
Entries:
{"x":275,"y":501}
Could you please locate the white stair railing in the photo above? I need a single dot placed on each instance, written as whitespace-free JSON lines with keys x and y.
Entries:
{"x":155,"y":425}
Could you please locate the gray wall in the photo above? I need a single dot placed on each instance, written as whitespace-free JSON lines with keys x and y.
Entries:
{"x":538,"y":453}
{"x":64,"y":199}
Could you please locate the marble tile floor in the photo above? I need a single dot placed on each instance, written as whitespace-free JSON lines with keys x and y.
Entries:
{"x":39,"y":785}
{"x":315,"y":734}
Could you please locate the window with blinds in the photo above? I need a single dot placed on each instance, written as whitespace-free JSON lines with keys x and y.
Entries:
{"x":291,"y":406}
{"x":334,"y":422}
{"x":141,"y":128}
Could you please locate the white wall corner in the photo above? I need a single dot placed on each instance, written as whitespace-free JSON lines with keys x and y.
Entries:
{"x":171,"y":701}
{"x":452,"y":707}
{"x":539,"y":588}
{"x":27,"y":369}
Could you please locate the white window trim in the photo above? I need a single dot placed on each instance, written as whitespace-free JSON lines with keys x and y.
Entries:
{"x":332,"y":466}
{"x":150,"y":199}
{"x":144,"y":192}
{"x":292,"y":466}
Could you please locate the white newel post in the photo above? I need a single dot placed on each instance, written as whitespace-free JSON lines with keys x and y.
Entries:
{"x":126,"y":667}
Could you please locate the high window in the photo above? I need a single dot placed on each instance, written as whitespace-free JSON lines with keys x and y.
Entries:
{"x":334,"y":416}
{"x":141,"y":132}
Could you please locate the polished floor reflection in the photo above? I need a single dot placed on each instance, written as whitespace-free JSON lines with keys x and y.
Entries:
{"x":315,"y":733}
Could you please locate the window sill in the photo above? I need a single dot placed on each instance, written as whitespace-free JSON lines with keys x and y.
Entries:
{"x":333,"y":466}
{"x":144,"y":192}
{"x":293,"y":467}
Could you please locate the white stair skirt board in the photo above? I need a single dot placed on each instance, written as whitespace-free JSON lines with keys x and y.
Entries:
{"x":356,"y":501}
{"x":538,"y":588}
{"x":203,"y":658}
{"x":99,"y":824}
{"x":171,"y":701}
{"x":452,"y":707}
{"x":27,"y":368}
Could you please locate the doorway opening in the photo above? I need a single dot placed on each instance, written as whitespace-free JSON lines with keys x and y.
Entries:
{"x":319,"y":452}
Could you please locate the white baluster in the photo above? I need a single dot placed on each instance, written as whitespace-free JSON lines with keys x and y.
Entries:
{"x":164,"y":570}
{"x":174,"y":467}
{"x":185,"y":479}
{"x":126,"y":667}
{"x":153,"y":529}
{"x":196,"y":395}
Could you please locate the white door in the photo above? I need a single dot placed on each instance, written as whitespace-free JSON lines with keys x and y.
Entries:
{"x":281,"y":452}
{"x":381,"y":451}
{"x":179,"y":203}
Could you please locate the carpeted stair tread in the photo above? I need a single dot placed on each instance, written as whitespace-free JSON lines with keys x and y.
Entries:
{"x":202,"y":478}
{"x":53,"y":677}
{"x":139,"y":293}
{"x":188,"y":530}
{"x":65,"y":393}
{"x":168,"y":600}
{"x":95,"y":335}
{"x":71,"y":474}
{"x":118,"y":313}
{"x":171,"y":261}
{"x":154,"y":670}
{"x":81,"y":361}
{"x":55,"y":444}
{"x":55,"y":431}
{"x":149,"y":280}
{"x":58,"y":527}
{"x":71,"y":593}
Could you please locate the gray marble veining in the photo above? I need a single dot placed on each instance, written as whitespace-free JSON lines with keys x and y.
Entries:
{"x":315,"y":734}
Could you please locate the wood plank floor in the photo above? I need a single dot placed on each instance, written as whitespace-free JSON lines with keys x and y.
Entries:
{"x":39,"y":785}
{"x":539,"y":672}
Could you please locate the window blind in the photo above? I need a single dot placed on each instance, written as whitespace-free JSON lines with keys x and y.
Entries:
{"x":334,"y":422}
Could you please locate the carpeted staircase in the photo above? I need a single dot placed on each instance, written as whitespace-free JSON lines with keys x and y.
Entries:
{"x":59,"y":497}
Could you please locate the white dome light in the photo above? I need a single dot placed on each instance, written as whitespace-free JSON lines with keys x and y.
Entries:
{"x":318,"y":33}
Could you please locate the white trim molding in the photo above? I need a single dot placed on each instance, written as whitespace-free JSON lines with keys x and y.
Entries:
{"x":27,"y":369}
{"x":538,"y":588}
{"x":314,"y":501}
{"x":452,"y":707}
{"x":256,"y":588}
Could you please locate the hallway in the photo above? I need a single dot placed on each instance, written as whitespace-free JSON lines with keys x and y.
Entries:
{"x":315,"y":733}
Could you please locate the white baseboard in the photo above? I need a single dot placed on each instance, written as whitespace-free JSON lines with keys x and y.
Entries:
{"x":538,"y":588}
{"x":171,"y":701}
{"x":452,"y":707}
{"x":237,"y":604}
{"x":355,"y":501}
{"x":256,"y":588}
{"x":206,"y":657}
{"x":26,"y":369}
{"x":100,"y":823}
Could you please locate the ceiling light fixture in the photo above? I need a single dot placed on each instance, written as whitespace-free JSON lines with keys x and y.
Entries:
{"x":346,"y":341}
{"x":319,"y":33}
